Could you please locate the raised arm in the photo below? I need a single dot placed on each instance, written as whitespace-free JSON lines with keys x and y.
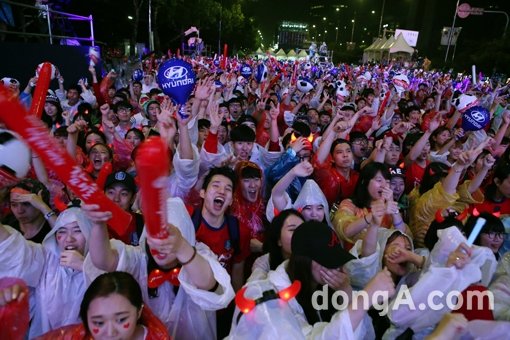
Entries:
{"x":102,"y":254}
{"x":303,"y":169}
{"x":420,"y":144}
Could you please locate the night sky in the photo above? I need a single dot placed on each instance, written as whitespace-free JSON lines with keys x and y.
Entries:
{"x":420,"y":15}
{"x":426,"y":16}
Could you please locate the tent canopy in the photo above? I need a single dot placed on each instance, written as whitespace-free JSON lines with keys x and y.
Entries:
{"x":401,"y":45}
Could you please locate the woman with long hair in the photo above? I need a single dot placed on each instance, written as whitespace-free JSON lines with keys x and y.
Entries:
{"x":276,"y":243}
{"x":372,"y":191}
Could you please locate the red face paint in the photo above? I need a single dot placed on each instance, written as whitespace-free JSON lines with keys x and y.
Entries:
{"x":95,"y":330}
{"x":59,"y":237}
{"x":126,"y":325}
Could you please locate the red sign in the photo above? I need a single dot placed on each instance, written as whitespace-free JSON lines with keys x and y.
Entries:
{"x":464,"y":10}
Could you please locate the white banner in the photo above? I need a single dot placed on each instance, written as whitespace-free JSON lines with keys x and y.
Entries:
{"x":411,"y":37}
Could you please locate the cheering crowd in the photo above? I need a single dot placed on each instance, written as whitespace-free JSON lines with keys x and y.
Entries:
{"x":288,"y":179}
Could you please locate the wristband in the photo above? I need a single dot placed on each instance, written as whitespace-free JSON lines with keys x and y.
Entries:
{"x":49,"y":214}
{"x":192,"y":257}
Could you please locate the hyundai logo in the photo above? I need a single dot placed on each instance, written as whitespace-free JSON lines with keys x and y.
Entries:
{"x":478,"y":116}
{"x":175,"y":72}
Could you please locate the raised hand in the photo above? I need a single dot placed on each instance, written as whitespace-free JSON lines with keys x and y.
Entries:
{"x":72,"y":259}
{"x":303,"y":169}
{"x":204,"y":88}
{"x":460,"y":257}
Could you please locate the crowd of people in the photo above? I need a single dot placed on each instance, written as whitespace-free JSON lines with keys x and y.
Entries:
{"x":304,"y":179}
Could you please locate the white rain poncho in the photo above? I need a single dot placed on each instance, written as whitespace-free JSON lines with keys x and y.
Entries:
{"x":58,"y":290}
{"x":271,"y":319}
{"x":500,"y":287}
{"x":363,"y":269}
{"x":191,"y":313}
{"x":436,"y":277}
{"x":310,"y":194}
{"x":276,"y":322}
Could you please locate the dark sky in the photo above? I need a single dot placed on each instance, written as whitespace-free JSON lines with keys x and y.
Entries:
{"x":426,"y":16}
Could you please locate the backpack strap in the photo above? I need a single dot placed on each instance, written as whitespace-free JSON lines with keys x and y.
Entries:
{"x":232,"y":225}
{"x":233,"y":231}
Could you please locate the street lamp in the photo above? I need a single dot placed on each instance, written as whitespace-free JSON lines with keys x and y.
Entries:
{"x":336,"y":37}
{"x":352,"y":32}
{"x":380,"y":20}
{"x":324,"y":18}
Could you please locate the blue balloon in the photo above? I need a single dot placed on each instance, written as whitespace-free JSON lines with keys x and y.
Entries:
{"x":475,"y":118}
{"x":334,"y":71}
{"x":177,"y":80}
{"x":246,"y":71}
{"x":137,"y":75}
{"x":216,"y":62}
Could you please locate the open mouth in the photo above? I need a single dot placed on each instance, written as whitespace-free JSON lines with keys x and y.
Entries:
{"x":218,"y":202}
{"x":70,"y":248}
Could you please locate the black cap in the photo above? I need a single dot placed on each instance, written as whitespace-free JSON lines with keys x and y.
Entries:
{"x":120,"y":177}
{"x":320,"y":243}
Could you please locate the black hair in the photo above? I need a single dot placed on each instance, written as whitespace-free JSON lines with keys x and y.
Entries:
{"x":82,"y":138}
{"x":500,"y":173}
{"x":301,"y":129}
{"x":204,"y":124}
{"x":409,"y":141}
{"x":34,"y":186}
{"x":492,"y":224}
{"x":61,"y":131}
{"x":110,"y":151}
{"x":246,"y":118}
{"x":434,"y":172}
{"x":336,"y":142}
{"x":300,"y":268}
{"x":431,"y":238}
{"x":223,"y":171}
{"x":137,"y":132}
{"x":357,"y":135}
{"x":436,"y":133}
{"x":74,"y":87}
{"x":137,"y":82}
{"x":361,"y":197}
{"x":273,"y":237}
{"x":242,"y":133}
{"x":106,"y":284}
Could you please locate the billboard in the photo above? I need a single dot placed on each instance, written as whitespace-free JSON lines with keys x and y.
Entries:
{"x":411,"y":37}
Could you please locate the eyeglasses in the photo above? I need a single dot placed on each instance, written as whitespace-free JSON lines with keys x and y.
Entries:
{"x":360,"y":143}
{"x":304,"y":158}
{"x":493,"y":235}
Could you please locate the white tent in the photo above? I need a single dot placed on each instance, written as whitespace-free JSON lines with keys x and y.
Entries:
{"x":280,"y":55}
{"x":401,"y":45}
{"x":292,"y":54}
{"x":368,"y":52}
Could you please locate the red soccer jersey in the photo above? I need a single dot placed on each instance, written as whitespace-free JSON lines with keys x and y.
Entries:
{"x":220,"y":243}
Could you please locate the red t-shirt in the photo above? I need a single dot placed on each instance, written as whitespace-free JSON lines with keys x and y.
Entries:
{"x":414,"y":174}
{"x":220,"y":243}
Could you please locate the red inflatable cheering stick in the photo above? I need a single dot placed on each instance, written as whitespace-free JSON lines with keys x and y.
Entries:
{"x":43,"y":83}
{"x":55,"y":157}
{"x":152,"y":166}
